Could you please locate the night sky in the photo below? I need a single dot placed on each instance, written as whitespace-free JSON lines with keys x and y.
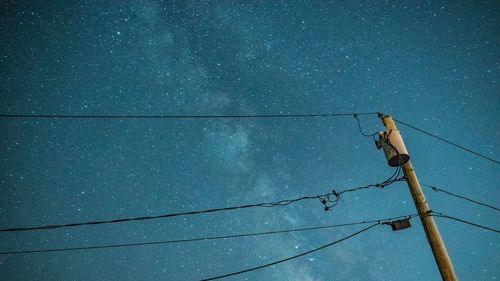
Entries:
{"x":433,"y":64}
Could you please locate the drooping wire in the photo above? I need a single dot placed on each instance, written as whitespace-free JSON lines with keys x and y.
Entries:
{"x":431,"y":213}
{"x":285,"y":202}
{"x":124,"y":116}
{"x":436,"y":189}
{"x":441,"y":215}
{"x":293,"y":257}
{"x":361,"y":130}
{"x":261,"y":205}
{"x":447,"y":141}
{"x":383,"y":136}
{"x":252,"y":234}
{"x":396,"y":176}
{"x":330,"y":200}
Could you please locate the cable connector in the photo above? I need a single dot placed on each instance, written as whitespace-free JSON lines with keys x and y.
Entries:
{"x":335,"y":194}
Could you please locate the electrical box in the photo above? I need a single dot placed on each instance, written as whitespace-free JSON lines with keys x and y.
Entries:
{"x":400,"y":224}
{"x":394,"y":148}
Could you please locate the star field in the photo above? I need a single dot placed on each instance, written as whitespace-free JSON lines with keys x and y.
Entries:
{"x":434,"y":64}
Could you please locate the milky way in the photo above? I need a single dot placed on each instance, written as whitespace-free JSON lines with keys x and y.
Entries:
{"x":432,"y":64}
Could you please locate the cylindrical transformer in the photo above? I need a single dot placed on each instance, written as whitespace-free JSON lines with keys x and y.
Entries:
{"x":394,"y":148}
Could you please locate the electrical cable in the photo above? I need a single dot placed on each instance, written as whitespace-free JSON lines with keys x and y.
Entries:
{"x":340,"y":240}
{"x":252,"y":234}
{"x":181,"y":116}
{"x":325,"y":199}
{"x":329,"y":203}
{"x":361,"y":130}
{"x":447,"y":141}
{"x":263,"y":205}
{"x":293,"y":257}
{"x":441,"y":215}
{"x":396,"y":176}
{"x":436,"y":189}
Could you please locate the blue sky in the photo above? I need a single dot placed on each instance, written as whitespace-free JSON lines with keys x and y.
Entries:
{"x":434,"y":64}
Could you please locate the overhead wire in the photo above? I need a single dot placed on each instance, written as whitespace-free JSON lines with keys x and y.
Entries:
{"x":427,"y":133}
{"x":125,"y":116}
{"x":396,"y":176}
{"x":295,"y":256}
{"x":168,"y":215}
{"x":324,"y":198}
{"x":355,"y":114}
{"x":441,"y":215}
{"x":361,"y":130}
{"x":431,"y":213}
{"x":331,"y":199}
{"x":436,"y":189}
{"x":251,"y":234}
{"x":446,"y":141}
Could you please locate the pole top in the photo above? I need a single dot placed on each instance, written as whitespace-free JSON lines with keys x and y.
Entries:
{"x":387,"y":121}
{"x":392,"y":143}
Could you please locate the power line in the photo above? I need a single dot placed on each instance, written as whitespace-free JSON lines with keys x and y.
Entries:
{"x":441,"y":215}
{"x":293,"y":257}
{"x":396,"y":176}
{"x":361,"y":130}
{"x":345,"y":238}
{"x":252,"y":234}
{"x":328,"y":202}
{"x":447,"y":141}
{"x":325,"y":199}
{"x":124,"y":116}
{"x":202,"y":238}
{"x":436,"y":189}
{"x":262,"y":205}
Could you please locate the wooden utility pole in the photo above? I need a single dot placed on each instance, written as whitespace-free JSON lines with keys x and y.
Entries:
{"x":443,"y":261}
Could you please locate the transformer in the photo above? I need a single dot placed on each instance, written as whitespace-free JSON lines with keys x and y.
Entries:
{"x":394,"y":148}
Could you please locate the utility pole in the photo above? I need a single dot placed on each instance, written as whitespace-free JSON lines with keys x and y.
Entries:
{"x":397,"y":155}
